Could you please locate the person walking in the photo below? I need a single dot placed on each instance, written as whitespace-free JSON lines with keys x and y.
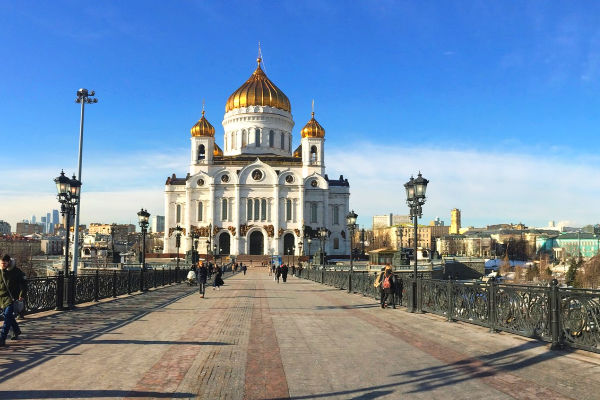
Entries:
{"x":386,"y":282}
{"x":244,"y":268}
{"x":277,"y":273}
{"x":12,"y":287}
{"x":284,"y":272}
{"x":202,"y":277}
{"x":218,"y":279}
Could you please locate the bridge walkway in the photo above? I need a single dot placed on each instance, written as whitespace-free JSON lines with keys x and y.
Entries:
{"x":257,"y":339}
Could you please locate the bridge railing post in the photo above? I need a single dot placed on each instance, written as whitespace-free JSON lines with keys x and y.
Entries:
{"x":555,"y":315}
{"x":114,"y":284}
{"x":170,"y":276}
{"x":71,"y":290}
{"x":450,"y":300}
{"x":96,"y":284}
{"x":60,"y":290}
{"x":128,"y":281}
{"x":142,"y":279}
{"x":154,"y":280}
{"x":492,"y":304}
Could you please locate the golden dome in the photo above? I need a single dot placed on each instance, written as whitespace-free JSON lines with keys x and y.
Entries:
{"x":313,"y":129}
{"x":203,"y":128}
{"x":298,"y":152}
{"x":217,"y":152}
{"x":258,"y":91}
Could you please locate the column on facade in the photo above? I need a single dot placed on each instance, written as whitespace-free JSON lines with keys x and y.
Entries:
{"x":301,"y":216}
{"x":211,"y":215}
{"x":277,"y":206}
{"x":187,"y":243}
{"x":167,"y":242}
{"x":236,"y":221}
{"x":326,"y":223}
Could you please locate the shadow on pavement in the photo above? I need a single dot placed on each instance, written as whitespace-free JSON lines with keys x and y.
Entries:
{"x":166,"y":342}
{"x":66,"y":394}
{"x":55,"y":335}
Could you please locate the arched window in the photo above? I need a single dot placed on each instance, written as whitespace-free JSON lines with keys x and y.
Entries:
{"x":224,"y":209}
{"x":289,"y":143}
{"x":201,"y":152}
{"x":178,"y":218}
{"x":271,"y":139}
{"x":200,"y":211}
{"x":313,"y":154}
{"x":336,"y":215}
{"x":336,"y":243}
{"x":256,"y":209}
{"x":282,"y":142}
{"x":288,"y":210}
{"x":257,"y":137}
{"x":249,"y":209}
{"x":244,"y":138}
{"x":313,"y":212}
{"x":263,"y":210}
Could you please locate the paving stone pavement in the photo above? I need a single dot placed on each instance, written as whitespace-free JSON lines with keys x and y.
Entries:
{"x":257,"y":339}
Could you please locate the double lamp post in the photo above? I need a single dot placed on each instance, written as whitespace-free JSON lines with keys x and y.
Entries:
{"x":143,"y":217}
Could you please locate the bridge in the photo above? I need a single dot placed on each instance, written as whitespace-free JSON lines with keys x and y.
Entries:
{"x":258,"y":339}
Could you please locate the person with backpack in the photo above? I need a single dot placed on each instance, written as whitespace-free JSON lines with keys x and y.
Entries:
{"x":202,"y":278}
{"x":386,"y":281}
{"x":12,"y":291}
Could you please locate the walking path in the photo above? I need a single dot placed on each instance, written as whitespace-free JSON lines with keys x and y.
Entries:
{"x":256,"y":339}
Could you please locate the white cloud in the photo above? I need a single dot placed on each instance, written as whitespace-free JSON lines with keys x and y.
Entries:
{"x":487,"y":187}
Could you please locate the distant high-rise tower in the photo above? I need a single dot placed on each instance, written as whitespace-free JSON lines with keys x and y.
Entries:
{"x":33,"y":219}
{"x":55,"y":219}
{"x":455,"y":221}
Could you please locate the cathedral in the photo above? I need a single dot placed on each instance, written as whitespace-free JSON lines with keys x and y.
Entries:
{"x":257,"y":195}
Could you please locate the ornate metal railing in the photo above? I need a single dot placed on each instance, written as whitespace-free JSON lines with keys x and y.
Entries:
{"x":562,"y":316}
{"x":58,"y":292}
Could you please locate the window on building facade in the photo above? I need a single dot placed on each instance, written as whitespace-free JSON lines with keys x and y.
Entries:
{"x":244,"y":138}
{"x":336,"y":243}
{"x":225,"y":142}
{"x":271,"y":139}
{"x":201,"y":152}
{"x":256,"y":209}
{"x":288,"y":210}
{"x":257,"y":137}
{"x":290,"y":143}
{"x":249,"y":209}
{"x":224,"y":209}
{"x":313,"y":154}
{"x":336,"y":215}
{"x":282,"y":142}
{"x":178,"y":217}
{"x":313,"y":212}
{"x":263,"y":210}
{"x":200,"y":211}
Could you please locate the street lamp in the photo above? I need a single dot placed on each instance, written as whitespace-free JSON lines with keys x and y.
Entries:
{"x":351,"y":224}
{"x":415,"y":198}
{"x":84,"y":97}
{"x":309,"y":241}
{"x":322,"y":236}
{"x":143,"y":216}
{"x":178,"y":231}
{"x":68,"y":197}
{"x":195,"y":235}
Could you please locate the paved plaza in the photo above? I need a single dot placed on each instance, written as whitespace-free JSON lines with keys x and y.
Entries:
{"x":256,"y":339}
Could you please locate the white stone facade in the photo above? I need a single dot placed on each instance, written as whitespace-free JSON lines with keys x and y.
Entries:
{"x":259,"y":196}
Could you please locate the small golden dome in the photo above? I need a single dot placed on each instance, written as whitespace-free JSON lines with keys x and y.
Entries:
{"x":217,"y":152}
{"x":258,"y":90}
{"x":313,"y":129}
{"x":203,"y":128}
{"x":298,"y":152}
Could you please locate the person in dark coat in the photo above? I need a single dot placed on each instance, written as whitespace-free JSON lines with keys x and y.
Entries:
{"x":284,"y":272}
{"x":202,"y":278}
{"x":277,"y":273}
{"x":218,"y":279}
{"x":293,"y":270}
{"x":244,"y":268}
{"x":12,"y":287}
{"x":386,"y":282}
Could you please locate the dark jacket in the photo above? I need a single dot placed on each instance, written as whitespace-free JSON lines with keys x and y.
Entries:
{"x":15,"y":279}
{"x":218,"y":278}
{"x":393,"y":283}
{"x":202,"y":274}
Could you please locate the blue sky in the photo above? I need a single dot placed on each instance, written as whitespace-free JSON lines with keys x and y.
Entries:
{"x":497,"y":104}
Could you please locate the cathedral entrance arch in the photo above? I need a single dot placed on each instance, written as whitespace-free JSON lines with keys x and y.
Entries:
{"x":224,"y":243}
{"x":257,"y":243}
{"x":288,"y":244}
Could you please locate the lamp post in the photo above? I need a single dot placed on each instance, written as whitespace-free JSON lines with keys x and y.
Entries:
{"x":351,"y":224}
{"x":143,"y":216}
{"x":195,"y":235}
{"x":214,"y":252}
{"x":415,"y":198}
{"x":293,"y":250}
{"x":68,"y":197}
{"x":178,"y":231}
{"x":322,"y":236}
{"x":83,"y":97}
{"x":309,"y":241}
{"x":112,"y":240}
